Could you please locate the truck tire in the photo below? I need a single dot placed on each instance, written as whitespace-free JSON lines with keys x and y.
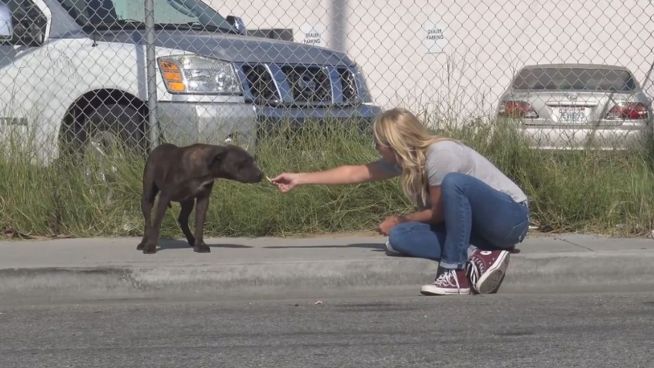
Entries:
{"x":109,"y":131}
{"x":120,"y":123}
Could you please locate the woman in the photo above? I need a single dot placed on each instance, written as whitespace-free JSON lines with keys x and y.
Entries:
{"x":461,"y":199}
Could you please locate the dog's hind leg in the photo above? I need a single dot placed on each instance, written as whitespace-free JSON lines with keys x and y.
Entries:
{"x":152,"y":236}
{"x":187,"y":207}
{"x":150,"y":191}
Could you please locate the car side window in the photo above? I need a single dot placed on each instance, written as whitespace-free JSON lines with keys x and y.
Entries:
{"x":28,"y":21}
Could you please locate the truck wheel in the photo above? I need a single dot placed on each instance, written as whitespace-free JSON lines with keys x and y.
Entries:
{"x":110,"y":132}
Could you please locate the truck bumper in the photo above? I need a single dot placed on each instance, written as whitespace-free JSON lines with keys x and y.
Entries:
{"x":184,"y":123}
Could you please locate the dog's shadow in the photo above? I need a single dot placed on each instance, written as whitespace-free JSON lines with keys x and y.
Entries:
{"x":179,"y":243}
{"x":182,"y":244}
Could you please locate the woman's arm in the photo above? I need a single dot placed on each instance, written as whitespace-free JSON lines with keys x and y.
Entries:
{"x":431,"y":215}
{"x":345,"y":174}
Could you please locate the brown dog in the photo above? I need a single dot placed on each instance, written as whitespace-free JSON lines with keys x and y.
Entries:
{"x":184,"y":174}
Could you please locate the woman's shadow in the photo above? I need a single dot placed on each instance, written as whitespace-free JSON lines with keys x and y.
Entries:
{"x":165,"y":244}
{"x":374,"y":247}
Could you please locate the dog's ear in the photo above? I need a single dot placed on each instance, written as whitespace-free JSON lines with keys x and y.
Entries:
{"x":217,"y":156}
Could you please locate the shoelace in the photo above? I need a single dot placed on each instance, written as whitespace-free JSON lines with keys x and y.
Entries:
{"x":445,"y":279}
{"x":473,"y":272}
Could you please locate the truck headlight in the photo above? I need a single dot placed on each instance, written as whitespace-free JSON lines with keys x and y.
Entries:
{"x":197,"y":74}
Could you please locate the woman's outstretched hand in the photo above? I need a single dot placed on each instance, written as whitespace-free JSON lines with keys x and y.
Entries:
{"x":286,"y":181}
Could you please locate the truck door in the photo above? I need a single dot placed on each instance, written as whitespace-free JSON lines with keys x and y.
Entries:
{"x":27,"y":27}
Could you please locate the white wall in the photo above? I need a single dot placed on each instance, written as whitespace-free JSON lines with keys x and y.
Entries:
{"x":485,"y":42}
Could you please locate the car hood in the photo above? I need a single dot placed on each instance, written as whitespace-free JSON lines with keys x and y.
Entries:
{"x":234,"y":48}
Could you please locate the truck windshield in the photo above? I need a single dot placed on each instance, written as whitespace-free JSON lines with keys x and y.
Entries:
{"x":130,"y":14}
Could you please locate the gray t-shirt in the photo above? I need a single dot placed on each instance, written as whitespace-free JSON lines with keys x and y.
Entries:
{"x":447,"y":156}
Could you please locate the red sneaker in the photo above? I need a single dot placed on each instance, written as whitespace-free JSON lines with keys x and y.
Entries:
{"x":448,"y":282}
{"x":486,"y":269}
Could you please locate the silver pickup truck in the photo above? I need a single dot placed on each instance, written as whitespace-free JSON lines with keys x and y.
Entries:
{"x":73,"y":76}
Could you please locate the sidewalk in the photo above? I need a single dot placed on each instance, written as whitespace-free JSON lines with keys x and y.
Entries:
{"x":323,"y":264}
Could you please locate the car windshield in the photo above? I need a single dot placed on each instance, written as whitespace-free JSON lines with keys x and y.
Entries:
{"x":577,"y":79}
{"x":130,"y":14}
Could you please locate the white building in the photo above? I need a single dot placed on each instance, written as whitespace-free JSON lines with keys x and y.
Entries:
{"x":452,"y":57}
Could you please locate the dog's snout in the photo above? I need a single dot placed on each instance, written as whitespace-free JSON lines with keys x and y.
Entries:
{"x":252,"y":176}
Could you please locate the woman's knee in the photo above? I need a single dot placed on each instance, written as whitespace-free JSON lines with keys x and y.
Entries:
{"x":415,"y":239}
{"x":453,"y":181}
{"x":401,"y":233}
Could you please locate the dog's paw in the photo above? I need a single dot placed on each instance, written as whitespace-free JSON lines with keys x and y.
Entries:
{"x":201,"y":248}
{"x":149,"y":249}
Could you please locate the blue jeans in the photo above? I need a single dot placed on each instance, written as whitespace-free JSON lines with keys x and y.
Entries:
{"x":473,"y":213}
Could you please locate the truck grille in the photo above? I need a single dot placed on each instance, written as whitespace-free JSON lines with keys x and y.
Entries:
{"x":299,"y":85}
{"x":308,"y":84}
{"x":348,"y":85}
{"x":259,"y":79}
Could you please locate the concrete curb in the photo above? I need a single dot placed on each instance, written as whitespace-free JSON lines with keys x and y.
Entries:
{"x":545,"y":272}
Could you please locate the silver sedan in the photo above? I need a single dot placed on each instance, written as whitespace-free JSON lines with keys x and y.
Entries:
{"x":578,"y":106}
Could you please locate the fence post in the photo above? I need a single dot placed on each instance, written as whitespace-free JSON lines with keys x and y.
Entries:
{"x":151,"y":73}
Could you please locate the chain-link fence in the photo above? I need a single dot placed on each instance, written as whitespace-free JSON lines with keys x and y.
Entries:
{"x":76,"y":75}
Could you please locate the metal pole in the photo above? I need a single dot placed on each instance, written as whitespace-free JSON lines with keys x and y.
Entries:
{"x":338,"y":24}
{"x":151,"y":74}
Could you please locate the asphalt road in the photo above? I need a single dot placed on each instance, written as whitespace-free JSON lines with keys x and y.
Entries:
{"x":397,"y":329}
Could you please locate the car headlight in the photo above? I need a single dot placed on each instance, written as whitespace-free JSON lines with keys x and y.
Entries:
{"x":197,"y":74}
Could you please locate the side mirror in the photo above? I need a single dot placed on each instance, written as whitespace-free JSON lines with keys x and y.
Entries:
{"x":237,"y":23}
{"x":6,"y":28}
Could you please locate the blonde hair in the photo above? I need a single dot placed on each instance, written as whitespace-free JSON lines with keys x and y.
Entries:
{"x":409,"y":139}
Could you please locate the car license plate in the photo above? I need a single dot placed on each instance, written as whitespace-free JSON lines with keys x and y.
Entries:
{"x":572,"y":114}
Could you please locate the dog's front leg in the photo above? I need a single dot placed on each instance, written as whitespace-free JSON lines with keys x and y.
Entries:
{"x":185,"y":211}
{"x":201,"y":207}
{"x":155,"y":228}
